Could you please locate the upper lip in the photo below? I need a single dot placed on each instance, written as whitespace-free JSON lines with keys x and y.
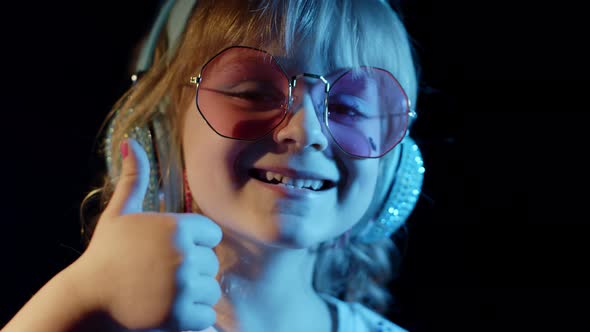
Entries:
{"x":298,"y":173}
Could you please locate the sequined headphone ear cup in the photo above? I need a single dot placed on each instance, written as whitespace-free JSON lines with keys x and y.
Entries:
{"x":143,"y":135}
{"x":402,"y":196}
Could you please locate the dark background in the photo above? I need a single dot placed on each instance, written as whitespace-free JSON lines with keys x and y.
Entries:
{"x":497,"y":243}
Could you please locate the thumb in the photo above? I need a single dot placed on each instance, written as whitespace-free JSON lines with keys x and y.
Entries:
{"x":133,"y":181}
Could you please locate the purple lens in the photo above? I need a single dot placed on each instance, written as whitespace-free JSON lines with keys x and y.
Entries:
{"x":243,"y":93}
{"x":367,"y":112}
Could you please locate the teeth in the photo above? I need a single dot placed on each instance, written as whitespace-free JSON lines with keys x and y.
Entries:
{"x":307,"y":183}
{"x":295,"y":183}
{"x":315,"y":185}
{"x":269,"y":176}
{"x":298,"y":183}
{"x":277,"y":176}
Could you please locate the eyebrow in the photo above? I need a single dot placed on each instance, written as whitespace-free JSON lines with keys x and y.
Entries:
{"x":291,"y":68}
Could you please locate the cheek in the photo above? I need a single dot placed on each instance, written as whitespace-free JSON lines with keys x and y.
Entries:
{"x":362,"y":194}
{"x":198,"y":143}
{"x":360,"y":175}
{"x":364,"y":181}
{"x":358,"y":190}
{"x":209,"y":161}
{"x":204,"y":153}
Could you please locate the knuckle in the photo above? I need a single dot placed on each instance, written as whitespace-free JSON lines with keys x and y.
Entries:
{"x":208,"y":262}
{"x":209,"y":226}
{"x":203,"y":290}
{"x":206,"y":315}
{"x":211,"y":261}
{"x":200,"y":261}
{"x":213,"y":291}
{"x":189,"y":315}
{"x":203,"y":230}
{"x":217,"y":234}
{"x":211,"y":235}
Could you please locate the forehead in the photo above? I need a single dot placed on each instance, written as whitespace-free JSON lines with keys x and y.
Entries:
{"x":296,"y":66}
{"x":309,"y":60}
{"x":293,"y":64}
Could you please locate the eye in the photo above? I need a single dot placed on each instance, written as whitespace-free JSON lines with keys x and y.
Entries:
{"x":249,"y":96}
{"x":350,"y":106}
{"x":255,"y":96}
{"x":256,"y":91}
{"x":342,"y":110}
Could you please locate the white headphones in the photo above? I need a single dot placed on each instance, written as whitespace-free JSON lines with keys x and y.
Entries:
{"x":173,"y":15}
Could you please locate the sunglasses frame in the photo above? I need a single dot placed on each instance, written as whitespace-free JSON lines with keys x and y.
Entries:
{"x":292,"y":82}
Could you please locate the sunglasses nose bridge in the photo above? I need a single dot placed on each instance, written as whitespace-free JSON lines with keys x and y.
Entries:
{"x":310,"y":78}
{"x":310,"y":84}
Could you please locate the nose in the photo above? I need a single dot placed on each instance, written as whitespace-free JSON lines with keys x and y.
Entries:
{"x":302,"y":129}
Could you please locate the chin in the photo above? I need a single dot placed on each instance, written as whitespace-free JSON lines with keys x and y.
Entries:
{"x":284,"y":232}
{"x":301,"y":241}
{"x":284,"y":240}
{"x":299,"y":233}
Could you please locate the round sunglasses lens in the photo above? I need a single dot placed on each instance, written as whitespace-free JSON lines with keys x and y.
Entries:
{"x":367,"y":112}
{"x":243,"y":93}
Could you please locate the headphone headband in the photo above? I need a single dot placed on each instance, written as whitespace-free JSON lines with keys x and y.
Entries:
{"x":172,"y":15}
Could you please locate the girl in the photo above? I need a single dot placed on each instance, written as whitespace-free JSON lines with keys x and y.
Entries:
{"x":257,"y":169}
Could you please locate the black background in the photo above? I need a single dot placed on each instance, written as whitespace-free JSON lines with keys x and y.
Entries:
{"x":497,"y":243}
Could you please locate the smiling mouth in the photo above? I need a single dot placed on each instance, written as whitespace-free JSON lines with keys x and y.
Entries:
{"x":292,"y":183}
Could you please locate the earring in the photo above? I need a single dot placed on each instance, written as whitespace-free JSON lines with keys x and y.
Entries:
{"x":403,"y":194}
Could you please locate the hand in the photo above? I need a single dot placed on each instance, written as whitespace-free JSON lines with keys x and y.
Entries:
{"x":150,"y":270}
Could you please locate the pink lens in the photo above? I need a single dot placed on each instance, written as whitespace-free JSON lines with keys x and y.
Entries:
{"x":243,"y":93}
{"x":367,"y":112}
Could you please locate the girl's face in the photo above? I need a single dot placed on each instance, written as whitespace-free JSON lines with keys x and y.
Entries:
{"x":229,"y":179}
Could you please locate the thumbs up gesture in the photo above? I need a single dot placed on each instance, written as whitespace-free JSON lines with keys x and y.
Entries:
{"x":150,"y":270}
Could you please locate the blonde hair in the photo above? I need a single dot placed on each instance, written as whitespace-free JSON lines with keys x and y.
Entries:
{"x":342,"y":33}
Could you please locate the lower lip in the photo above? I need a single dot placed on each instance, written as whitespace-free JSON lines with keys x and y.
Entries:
{"x":291,"y":192}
